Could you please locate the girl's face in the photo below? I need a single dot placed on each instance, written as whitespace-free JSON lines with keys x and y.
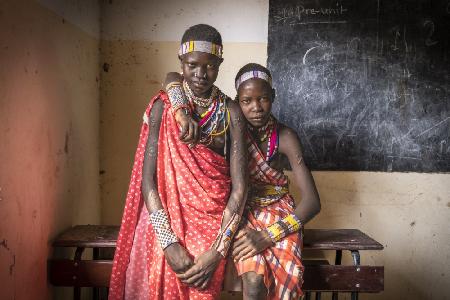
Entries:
{"x":200,"y":71}
{"x":255,"y":98}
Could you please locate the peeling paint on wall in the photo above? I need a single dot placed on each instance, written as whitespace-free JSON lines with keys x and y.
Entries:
{"x":4,"y":244}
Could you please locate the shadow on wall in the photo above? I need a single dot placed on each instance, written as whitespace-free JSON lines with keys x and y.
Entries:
{"x":134,"y":73}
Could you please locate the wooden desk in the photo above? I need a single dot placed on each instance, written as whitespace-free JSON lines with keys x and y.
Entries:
{"x":352,"y":240}
{"x":318,"y":277}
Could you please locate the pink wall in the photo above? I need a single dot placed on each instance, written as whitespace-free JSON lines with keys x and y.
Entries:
{"x":48,"y":140}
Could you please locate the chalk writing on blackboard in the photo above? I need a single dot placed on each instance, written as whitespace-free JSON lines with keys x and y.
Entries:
{"x":311,"y":15}
{"x":366,"y":84}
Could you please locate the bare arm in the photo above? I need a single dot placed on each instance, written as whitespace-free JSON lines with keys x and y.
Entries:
{"x":309,"y":205}
{"x":177,"y":256}
{"x":238,"y":164}
{"x":149,"y":188}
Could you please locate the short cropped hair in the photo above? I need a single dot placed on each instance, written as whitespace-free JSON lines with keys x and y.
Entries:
{"x":202,"y":32}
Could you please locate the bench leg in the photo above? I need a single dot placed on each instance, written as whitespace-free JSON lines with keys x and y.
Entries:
{"x":356,"y":261}
{"x":77,"y":257}
{"x":337,"y":262}
{"x":76,"y":293}
{"x":356,"y":257}
{"x":95,"y":290}
{"x":78,"y":254}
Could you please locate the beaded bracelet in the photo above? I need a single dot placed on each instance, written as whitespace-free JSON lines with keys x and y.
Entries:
{"x":186,"y":109}
{"x":161,"y":226}
{"x":223,"y":241}
{"x":172,"y":84}
{"x":284,"y":227}
{"x":177,"y":97}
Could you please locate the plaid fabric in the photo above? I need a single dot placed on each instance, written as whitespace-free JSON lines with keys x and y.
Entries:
{"x":260,"y":171}
{"x":280,"y":265}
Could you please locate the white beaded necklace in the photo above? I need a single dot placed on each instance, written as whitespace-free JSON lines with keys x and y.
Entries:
{"x":202,"y":102}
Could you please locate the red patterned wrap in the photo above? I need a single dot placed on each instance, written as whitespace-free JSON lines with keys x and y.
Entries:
{"x":194,"y":186}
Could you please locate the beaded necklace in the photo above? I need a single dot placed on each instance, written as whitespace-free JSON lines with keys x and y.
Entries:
{"x":202,"y":102}
{"x":262,"y":132}
{"x":217,"y":113}
{"x":270,"y":131}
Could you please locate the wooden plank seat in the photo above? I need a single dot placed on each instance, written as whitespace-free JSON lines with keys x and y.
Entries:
{"x":319,"y":275}
{"x":104,"y":236}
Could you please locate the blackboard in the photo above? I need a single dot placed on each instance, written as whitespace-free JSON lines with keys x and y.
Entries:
{"x":365,"y":84}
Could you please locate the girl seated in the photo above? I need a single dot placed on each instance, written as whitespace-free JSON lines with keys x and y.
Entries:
{"x":267,"y":248}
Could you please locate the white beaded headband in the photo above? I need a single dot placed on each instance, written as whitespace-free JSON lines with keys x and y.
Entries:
{"x":253,"y":74}
{"x":201,"y":46}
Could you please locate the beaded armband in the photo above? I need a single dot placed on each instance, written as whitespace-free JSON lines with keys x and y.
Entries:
{"x":284,"y":227}
{"x":177,"y":98}
{"x":161,"y":226}
{"x":223,"y":241}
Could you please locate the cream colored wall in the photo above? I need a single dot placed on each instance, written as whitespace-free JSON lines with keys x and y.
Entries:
{"x":49,"y":136}
{"x":408,"y":213}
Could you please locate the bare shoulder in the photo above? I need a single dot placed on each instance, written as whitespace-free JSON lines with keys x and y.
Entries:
{"x":158,"y":104}
{"x":232,"y":105}
{"x":237,"y":118}
{"x":173,"y":77}
{"x":286,"y":131}
{"x":289,"y":140}
{"x":157,"y":108}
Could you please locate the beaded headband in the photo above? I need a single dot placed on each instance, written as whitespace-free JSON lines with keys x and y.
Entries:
{"x":253,"y":74}
{"x":201,"y":46}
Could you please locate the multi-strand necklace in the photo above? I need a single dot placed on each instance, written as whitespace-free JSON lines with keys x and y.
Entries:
{"x":202,"y":102}
{"x":268,"y":131}
{"x":216,"y":113}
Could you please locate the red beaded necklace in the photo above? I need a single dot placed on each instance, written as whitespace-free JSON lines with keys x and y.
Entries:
{"x":268,"y":131}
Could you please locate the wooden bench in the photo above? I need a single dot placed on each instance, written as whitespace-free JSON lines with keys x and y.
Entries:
{"x":319,"y":276}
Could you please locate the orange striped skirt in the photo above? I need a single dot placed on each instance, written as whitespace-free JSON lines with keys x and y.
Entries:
{"x":280,"y":265}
